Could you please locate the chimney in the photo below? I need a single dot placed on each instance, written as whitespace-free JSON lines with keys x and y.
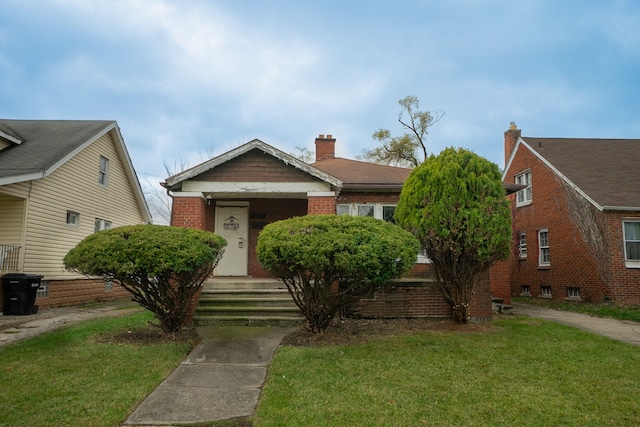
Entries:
{"x":325,"y":148}
{"x":511,"y":137}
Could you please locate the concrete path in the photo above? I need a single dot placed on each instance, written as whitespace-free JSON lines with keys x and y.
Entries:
{"x":220,"y":379}
{"x":621,"y":330}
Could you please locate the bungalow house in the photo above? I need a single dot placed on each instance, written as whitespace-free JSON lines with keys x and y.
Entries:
{"x":61,"y":180}
{"x":237,"y":193}
{"x":576,"y":224}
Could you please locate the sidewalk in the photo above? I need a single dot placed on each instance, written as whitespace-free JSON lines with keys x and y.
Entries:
{"x":621,"y":330}
{"x":221,"y":379}
{"x":15,"y":328}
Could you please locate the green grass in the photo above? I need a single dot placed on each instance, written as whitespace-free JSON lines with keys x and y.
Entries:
{"x":604,"y":309}
{"x":69,"y":378}
{"x":526,"y":372}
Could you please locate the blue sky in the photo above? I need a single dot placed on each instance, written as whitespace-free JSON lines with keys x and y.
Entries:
{"x":190,"y":78}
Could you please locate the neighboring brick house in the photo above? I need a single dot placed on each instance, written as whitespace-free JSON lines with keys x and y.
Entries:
{"x":61,"y":180}
{"x":576,"y":225}
{"x":237,"y":193}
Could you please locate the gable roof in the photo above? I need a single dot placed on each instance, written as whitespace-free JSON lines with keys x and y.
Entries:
{"x":42,"y":146}
{"x":173,"y":182}
{"x":358,"y":175}
{"x":599,"y":169}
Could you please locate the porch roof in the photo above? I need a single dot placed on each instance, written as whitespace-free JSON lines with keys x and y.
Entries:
{"x":185,"y":182}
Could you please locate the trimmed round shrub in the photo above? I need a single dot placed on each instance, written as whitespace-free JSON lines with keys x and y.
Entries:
{"x":162,"y":267}
{"x":329,"y":261}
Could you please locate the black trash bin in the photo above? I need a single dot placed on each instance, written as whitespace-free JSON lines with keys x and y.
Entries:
{"x":20,"y":292}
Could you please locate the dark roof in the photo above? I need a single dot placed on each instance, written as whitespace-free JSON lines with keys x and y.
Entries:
{"x":362,"y":175}
{"x":44,"y":143}
{"x":606,"y":170}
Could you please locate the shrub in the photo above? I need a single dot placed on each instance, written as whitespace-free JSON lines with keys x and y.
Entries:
{"x":455,"y":204}
{"x":329,"y":261}
{"x":162,"y":267}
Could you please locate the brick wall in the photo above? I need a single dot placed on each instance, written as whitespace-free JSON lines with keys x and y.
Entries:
{"x":81,"y":291}
{"x":321,"y":205}
{"x":420,"y":298}
{"x":189,"y":212}
{"x":255,"y":166}
{"x":500,"y":281}
{"x":573,"y":261}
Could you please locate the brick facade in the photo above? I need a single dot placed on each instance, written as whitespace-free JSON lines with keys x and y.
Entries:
{"x":80,"y":291}
{"x":189,"y":212}
{"x":322,"y":205}
{"x":576,"y":262}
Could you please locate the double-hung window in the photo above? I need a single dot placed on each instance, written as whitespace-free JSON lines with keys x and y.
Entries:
{"x":103,"y":173}
{"x":522,"y":246}
{"x":543,"y":247}
{"x":524,"y":196}
{"x":631,"y":233}
{"x":101,"y":224}
{"x":375,"y":210}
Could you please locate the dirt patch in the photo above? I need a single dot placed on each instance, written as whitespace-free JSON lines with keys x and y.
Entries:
{"x":359,"y":331}
{"x":150,"y":334}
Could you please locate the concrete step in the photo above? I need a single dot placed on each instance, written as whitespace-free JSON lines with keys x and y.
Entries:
{"x":248,"y":320}
{"x":241,"y":301}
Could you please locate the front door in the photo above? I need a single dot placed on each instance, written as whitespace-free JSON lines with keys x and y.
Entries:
{"x":232,"y":223}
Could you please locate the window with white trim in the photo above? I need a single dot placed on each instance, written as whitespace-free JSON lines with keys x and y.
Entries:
{"x":375,"y":210}
{"x":543,"y":247}
{"x":525,"y":291}
{"x":545,"y":292}
{"x":73,"y":219}
{"x":524,"y":196}
{"x":573,"y":293}
{"x":522,"y":245}
{"x":631,"y":235}
{"x":101,"y":224}
{"x":103,"y":174}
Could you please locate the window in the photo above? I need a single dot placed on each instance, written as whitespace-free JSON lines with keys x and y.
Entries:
{"x":342,"y":209}
{"x":108,"y":286}
{"x":43,"y":290}
{"x":73,"y":218}
{"x":545,"y":292}
{"x":101,"y":224}
{"x":375,"y":210}
{"x":388,"y":213}
{"x":573,"y":293}
{"x":524,"y":196}
{"x":631,"y":233}
{"x":525,"y":290}
{"x":543,"y":244}
{"x":365,"y":210}
{"x":522,"y":246}
{"x":103,"y":174}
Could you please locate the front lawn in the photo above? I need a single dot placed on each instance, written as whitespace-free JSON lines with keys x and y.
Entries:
{"x":523,"y":372}
{"x":91,"y":374}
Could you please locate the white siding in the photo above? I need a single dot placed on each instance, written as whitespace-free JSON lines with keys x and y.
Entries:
{"x":74,"y":186}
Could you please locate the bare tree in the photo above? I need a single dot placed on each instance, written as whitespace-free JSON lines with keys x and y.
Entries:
{"x":410,"y":148}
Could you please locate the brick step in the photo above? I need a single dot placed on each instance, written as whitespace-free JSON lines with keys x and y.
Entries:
{"x":236,"y":310}
{"x":286,"y":301}
{"x":214,"y":284}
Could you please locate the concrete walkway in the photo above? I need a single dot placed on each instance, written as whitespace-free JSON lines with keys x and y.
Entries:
{"x":221,"y":378}
{"x":621,"y":330}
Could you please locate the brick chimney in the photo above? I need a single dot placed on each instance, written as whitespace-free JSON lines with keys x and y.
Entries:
{"x":511,"y":137}
{"x":325,"y":148}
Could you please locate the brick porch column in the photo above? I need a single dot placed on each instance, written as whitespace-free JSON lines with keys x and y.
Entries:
{"x":323,"y":203}
{"x":189,"y":211}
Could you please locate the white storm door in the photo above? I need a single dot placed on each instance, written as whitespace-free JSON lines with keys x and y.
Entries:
{"x":232,"y":223}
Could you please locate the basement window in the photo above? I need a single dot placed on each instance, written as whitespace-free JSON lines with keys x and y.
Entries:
{"x":43,"y":290}
{"x":545,"y":292}
{"x":525,"y":291}
{"x":573,"y":294}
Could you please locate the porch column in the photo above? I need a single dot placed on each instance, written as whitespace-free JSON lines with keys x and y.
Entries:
{"x":188,"y":210}
{"x":321,"y":203}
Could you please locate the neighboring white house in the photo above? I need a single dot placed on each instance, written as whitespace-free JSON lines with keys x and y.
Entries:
{"x":61,"y":180}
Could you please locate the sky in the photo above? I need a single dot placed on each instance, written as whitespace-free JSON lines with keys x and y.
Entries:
{"x":190,"y":79}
